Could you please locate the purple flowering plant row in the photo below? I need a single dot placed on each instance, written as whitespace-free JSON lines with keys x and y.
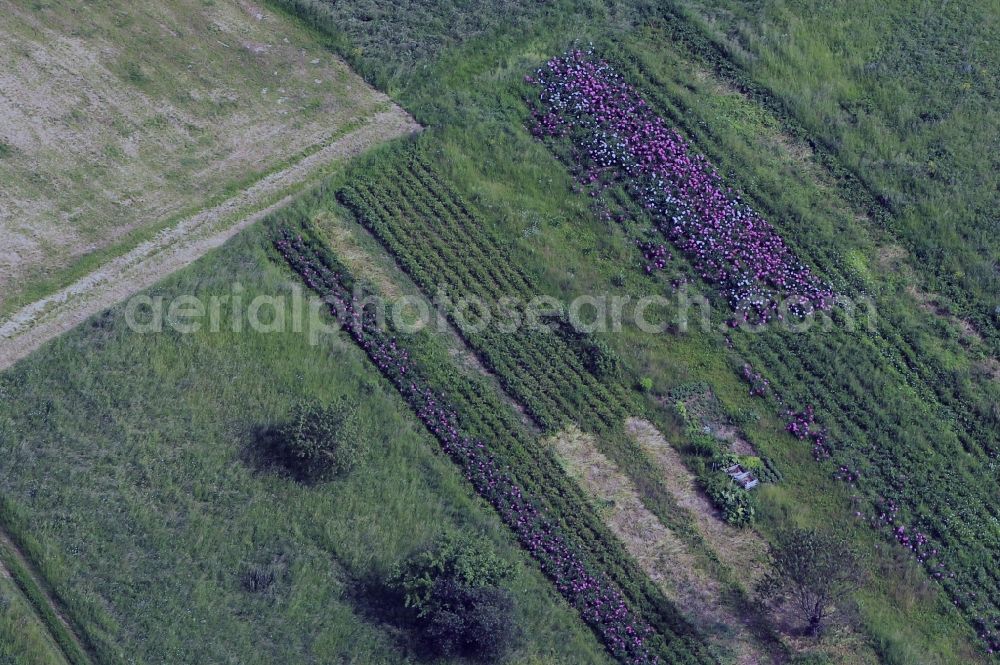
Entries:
{"x":618,"y":138}
{"x":600,"y":603}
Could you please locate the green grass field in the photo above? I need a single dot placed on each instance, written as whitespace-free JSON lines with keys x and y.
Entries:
{"x":862,"y":133}
{"x":140,"y":489}
{"x":23,"y":638}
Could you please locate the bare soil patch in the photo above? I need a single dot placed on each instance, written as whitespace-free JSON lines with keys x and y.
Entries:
{"x":704,"y":408}
{"x":357,"y":259}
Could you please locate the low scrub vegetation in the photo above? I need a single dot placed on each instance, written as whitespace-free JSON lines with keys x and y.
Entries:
{"x":317,"y":442}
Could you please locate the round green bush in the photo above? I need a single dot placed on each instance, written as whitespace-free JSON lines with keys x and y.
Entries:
{"x":454,"y":594}
{"x":318,"y":442}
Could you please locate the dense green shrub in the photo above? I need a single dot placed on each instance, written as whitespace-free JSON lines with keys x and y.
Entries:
{"x":470,"y":621}
{"x":453,"y":590}
{"x":736,"y":504}
{"x":318,"y":442}
{"x":451,"y":557}
{"x":597,"y":355}
{"x":704,"y":445}
{"x":811,"y":659}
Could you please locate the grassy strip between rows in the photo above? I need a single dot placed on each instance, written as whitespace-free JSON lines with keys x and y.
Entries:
{"x":39,"y":597}
{"x":482,"y":413}
{"x":948,"y":504}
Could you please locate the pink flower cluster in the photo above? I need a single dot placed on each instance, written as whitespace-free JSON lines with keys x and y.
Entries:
{"x":915,"y":540}
{"x":803,"y":426}
{"x":615,"y":133}
{"x":598,"y":600}
{"x":847,"y":474}
{"x":655,"y":254}
{"x":758,"y":384}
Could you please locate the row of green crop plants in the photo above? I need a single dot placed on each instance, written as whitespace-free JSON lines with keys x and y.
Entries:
{"x":966,"y":402}
{"x":921,"y":436}
{"x":555,"y":372}
{"x":920,"y":451}
{"x":559,"y":376}
{"x":499,"y":458}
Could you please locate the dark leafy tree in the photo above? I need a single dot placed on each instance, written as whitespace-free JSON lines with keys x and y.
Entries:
{"x":812,"y":572}
{"x":470,"y":621}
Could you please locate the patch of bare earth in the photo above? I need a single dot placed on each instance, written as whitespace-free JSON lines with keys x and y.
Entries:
{"x":181,"y":244}
{"x":357,"y":259}
{"x":705,"y":409}
{"x":660,"y":553}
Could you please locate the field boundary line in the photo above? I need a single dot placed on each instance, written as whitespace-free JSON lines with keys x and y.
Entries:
{"x":46,"y":606}
{"x":181,"y":244}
